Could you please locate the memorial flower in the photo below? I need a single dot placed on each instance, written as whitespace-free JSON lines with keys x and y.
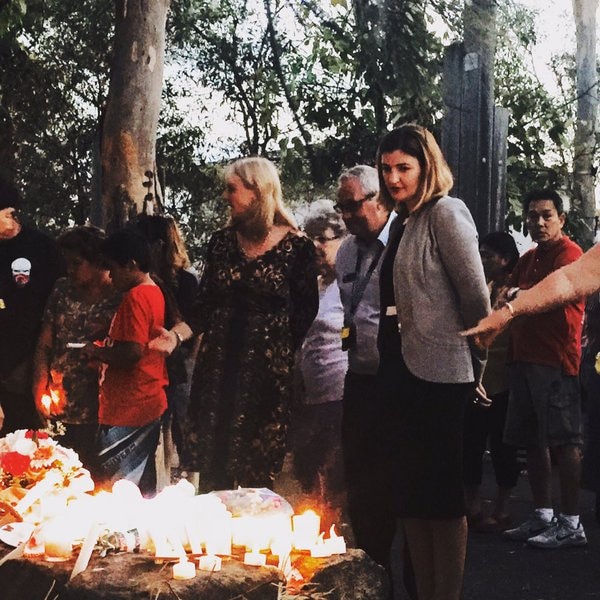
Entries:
{"x":26,"y":456}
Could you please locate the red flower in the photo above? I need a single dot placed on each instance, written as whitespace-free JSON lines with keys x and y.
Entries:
{"x":14,"y":463}
{"x":31,"y":434}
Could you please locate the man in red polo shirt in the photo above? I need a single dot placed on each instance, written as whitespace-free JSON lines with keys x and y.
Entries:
{"x":544,"y":407}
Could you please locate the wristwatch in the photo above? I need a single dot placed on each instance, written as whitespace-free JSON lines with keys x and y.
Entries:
{"x":179,"y":337}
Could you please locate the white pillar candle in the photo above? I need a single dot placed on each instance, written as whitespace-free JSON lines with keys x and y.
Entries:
{"x":255,"y":559}
{"x":306,"y":529}
{"x":210,"y":562}
{"x":184,"y":569}
{"x":280,"y":531}
{"x":218,"y":535}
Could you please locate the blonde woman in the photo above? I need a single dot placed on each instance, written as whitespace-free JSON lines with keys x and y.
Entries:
{"x":258,"y":296}
{"x":438,"y":288}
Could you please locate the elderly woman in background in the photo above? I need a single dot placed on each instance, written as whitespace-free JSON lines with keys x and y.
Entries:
{"x":258,"y":296}
{"x":316,"y":428}
{"x":79,"y":309}
{"x":439,"y":288}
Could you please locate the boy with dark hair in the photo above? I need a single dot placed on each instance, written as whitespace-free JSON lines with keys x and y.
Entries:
{"x":132,"y":388}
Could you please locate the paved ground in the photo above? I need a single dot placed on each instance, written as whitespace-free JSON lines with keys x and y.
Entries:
{"x":501,"y":570}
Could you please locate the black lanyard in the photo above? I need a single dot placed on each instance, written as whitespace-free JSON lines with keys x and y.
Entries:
{"x":360,"y":285}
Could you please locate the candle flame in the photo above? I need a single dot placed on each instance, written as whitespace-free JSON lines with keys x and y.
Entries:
{"x":46,"y":402}
{"x":53,"y":402}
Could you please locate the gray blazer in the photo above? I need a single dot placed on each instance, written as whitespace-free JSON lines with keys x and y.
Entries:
{"x":440,"y":289}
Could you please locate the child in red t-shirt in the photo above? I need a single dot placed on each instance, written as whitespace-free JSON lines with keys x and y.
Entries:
{"x":133,"y":381}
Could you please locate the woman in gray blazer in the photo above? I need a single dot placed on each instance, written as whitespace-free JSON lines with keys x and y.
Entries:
{"x":439,"y":289}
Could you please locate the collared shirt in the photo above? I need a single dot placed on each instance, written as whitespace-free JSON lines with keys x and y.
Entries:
{"x":323,"y":363}
{"x":363,"y":357}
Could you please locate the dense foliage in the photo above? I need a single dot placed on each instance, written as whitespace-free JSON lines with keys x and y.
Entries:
{"x":311,"y":84}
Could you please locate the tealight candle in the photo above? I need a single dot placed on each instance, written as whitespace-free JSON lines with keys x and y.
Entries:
{"x":255,"y":559}
{"x":209,"y":562}
{"x":306,"y":529}
{"x":320,"y":549}
{"x":184,"y":569}
{"x":58,"y":542}
{"x":335,"y":543}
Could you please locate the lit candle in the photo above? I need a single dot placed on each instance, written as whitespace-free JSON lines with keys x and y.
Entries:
{"x":184,"y":569}
{"x":58,"y":541}
{"x":218,"y":535}
{"x":335,"y":543}
{"x":280,"y":531}
{"x":210,"y":562}
{"x":320,"y":549}
{"x":255,"y":559}
{"x":306,"y":529}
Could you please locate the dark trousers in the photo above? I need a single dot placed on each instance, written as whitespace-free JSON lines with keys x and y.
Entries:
{"x":367,"y":481}
{"x":487,"y":424}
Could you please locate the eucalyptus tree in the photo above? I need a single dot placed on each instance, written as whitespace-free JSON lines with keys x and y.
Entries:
{"x":130,"y":119}
{"x":585,"y":143}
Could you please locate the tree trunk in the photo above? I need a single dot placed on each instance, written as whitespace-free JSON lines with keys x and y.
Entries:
{"x":128,"y":146}
{"x":584,"y":197}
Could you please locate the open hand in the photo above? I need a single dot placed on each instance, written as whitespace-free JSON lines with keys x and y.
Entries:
{"x":486,"y":331}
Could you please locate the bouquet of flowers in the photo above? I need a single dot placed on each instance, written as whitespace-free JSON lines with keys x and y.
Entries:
{"x":33,"y":464}
{"x":246,"y":502}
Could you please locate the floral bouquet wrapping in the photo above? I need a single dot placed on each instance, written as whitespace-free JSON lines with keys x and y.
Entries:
{"x":34,"y":467}
{"x":245,"y":502}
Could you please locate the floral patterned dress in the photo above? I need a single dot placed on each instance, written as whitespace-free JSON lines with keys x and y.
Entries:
{"x":72,"y":319}
{"x":254,"y":314}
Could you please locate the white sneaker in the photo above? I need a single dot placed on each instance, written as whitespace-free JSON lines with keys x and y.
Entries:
{"x":528,"y":529}
{"x":560,"y":535}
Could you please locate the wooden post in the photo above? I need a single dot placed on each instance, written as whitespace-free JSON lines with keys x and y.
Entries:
{"x":474,"y":131}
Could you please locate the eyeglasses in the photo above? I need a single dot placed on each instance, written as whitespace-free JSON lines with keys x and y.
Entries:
{"x":352,"y":206}
{"x":323,"y":240}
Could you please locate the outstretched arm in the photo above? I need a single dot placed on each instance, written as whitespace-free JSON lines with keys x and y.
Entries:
{"x":567,"y":284}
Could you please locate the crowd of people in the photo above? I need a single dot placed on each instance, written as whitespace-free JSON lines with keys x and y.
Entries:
{"x":358,"y":342}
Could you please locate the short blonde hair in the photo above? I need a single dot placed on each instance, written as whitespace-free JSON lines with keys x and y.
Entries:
{"x":414,"y":140}
{"x":260,"y":175}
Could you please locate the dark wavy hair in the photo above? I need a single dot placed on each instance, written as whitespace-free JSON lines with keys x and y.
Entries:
{"x":85,"y":241}
{"x":504,"y":244}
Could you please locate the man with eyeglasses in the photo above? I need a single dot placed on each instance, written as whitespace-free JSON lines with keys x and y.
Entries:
{"x":30,"y":263}
{"x":368,"y":219}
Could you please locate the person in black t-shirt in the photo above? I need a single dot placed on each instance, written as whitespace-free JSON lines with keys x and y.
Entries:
{"x":30,"y":263}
